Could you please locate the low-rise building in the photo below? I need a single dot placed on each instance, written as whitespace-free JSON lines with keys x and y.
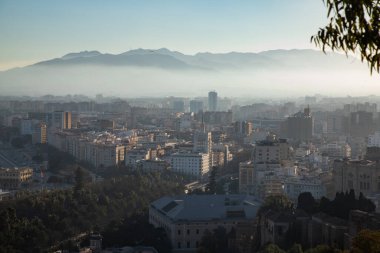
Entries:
{"x":13,"y":178}
{"x":325,"y":229}
{"x":187,"y":218}
{"x":294,"y":186}
{"x":359,"y":175}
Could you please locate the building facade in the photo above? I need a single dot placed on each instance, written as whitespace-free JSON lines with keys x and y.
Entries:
{"x":186,"y":219}
{"x":13,"y":178}
{"x":194,"y":164}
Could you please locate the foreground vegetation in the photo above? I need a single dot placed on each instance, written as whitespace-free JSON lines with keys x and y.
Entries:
{"x":36,"y":222}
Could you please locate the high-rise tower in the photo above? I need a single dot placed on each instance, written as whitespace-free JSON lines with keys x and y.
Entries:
{"x":212,"y":101}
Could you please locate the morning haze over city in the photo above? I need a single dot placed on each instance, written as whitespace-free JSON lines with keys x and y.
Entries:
{"x":195,"y":126}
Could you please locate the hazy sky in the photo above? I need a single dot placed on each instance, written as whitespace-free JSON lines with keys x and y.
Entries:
{"x":36,"y":30}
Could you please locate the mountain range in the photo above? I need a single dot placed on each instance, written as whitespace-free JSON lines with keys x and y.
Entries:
{"x":160,"y":72}
{"x":166,"y":59}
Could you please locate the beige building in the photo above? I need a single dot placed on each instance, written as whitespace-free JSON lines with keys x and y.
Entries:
{"x":104,"y":155}
{"x":359,"y":175}
{"x":218,"y":158}
{"x":271,"y":186}
{"x":99,"y":154}
{"x":13,"y":178}
{"x":247,"y":178}
{"x":271,"y":151}
{"x":187,"y":218}
{"x":39,"y":134}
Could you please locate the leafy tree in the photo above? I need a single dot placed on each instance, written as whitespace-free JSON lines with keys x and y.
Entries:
{"x":276,"y":203}
{"x":354,"y":27}
{"x":296,"y":248}
{"x":215,"y":242}
{"x":38,"y":222}
{"x":79,"y":179}
{"x":322,"y":249}
{"x":366,"y":241}
{"x":344,"y":203}
{"x":306,"y":202}
{"x":272,"y":248}
{"x":135,"y":231}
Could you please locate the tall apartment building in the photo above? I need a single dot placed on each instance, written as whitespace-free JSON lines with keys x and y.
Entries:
{"x":360,"y":123}
{"x":194,"y":164}
{"x":299,"y":127}
{"x":39,"y":134}
{"x":196,"y":106}
{"x":212,"y":101}
{"x":374,"y":140}
{"x":61,"y":120}
{"x":247,"y":178}
{"x":178,"y":106}
{"x":243,"y":128}
{"x":202,"y":143}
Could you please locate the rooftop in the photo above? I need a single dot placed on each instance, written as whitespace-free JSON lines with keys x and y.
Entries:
{"x":207,"y":207}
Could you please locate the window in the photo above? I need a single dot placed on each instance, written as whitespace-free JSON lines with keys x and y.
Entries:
{"x":197,"y":231}
{"x":179,"y":245}
{"x":179,"y":232}
{"x":188,"y":244}
{"x":188,"y":231}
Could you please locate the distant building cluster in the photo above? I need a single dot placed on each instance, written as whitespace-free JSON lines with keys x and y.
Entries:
{"x":264,"y":148}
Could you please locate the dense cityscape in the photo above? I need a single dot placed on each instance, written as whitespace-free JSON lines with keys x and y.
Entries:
{"x":226,"y":175}
{"x":197,"y":126}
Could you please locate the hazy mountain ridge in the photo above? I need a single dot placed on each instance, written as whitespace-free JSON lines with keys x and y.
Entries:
{"x":166,"y":59}
{"x":161,"y":72}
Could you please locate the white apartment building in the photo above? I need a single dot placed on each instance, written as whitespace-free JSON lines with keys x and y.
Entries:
{"x":135,"y":155}
{"x":374,"y":140}
{"x":293,"y":187}
{"x":194,"y":164}
{"x":336,"y":150}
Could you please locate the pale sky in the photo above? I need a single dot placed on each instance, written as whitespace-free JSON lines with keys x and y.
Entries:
{"x":37,"y":30}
